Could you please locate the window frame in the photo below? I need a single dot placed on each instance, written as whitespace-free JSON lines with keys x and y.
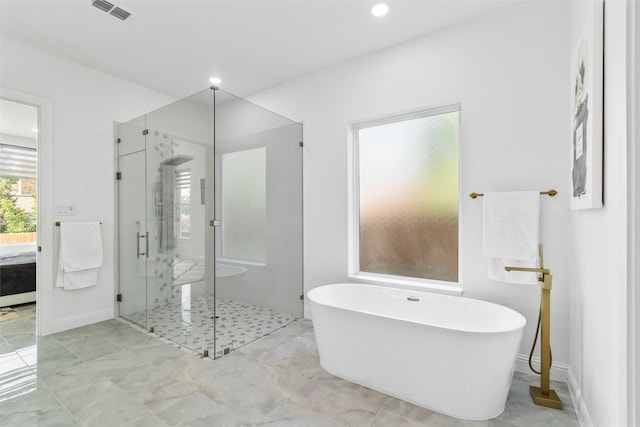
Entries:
{"x":354,"y":272}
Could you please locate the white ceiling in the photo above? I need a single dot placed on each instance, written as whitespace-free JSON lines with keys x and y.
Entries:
{"x":174,"y":46}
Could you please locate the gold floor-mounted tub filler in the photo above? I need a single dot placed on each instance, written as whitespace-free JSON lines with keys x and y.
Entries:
{"x":543,"y":395}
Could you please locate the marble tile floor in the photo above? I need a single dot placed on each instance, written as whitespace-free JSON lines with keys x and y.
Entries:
{"x":112,"y":374}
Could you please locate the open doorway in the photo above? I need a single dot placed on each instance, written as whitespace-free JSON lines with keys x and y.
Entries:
{"x":18,"y":209}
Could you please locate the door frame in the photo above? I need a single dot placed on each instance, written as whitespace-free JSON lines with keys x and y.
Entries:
{"x":116,"y":223}
{"x":633,"y":213}
{"x":44,"y":223}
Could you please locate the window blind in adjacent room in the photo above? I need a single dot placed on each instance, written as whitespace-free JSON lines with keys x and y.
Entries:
{"x":18,"y":162}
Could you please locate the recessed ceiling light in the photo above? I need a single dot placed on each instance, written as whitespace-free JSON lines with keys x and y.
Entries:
{"x":215,"y":80}
{"x":380,"y":9}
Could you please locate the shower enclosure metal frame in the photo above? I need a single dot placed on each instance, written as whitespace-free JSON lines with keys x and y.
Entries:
{"x":209,"y":221}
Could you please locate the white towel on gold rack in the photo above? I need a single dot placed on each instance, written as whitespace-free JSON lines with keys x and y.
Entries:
{"x":80,"y":255}
{"x":510,"y":234}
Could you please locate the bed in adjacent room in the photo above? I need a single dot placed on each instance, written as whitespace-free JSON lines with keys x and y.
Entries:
{"x":17,"y":278}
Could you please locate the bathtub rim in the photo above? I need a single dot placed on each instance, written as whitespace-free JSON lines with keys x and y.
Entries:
{"x":521,"y":324}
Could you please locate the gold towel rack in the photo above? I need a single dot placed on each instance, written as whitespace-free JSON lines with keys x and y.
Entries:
{"x":550,"y":193}
{"x":58,"y":223}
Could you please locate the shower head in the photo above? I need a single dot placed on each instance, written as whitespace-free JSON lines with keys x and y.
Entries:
{"x":176,"y":160}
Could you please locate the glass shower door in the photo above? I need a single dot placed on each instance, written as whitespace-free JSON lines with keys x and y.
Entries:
{"x":180,"y":284}
{"x":132,"y":234}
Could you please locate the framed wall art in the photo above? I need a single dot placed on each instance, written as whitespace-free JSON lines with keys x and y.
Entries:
{"x":587,"y":110}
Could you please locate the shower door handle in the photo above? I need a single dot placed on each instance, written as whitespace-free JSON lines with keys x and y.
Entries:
{"x":138,"y":237}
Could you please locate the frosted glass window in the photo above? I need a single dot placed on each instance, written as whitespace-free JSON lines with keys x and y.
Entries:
{"x":244,"y":204}
{"x":407,"y":196}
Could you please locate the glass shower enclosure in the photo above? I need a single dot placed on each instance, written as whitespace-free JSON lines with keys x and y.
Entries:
{"x":210,"y":222}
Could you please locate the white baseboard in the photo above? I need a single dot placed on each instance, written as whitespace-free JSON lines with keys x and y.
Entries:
{"x":82,"y":320}
{"x":558,"y":370}
{"x":578,"y":401}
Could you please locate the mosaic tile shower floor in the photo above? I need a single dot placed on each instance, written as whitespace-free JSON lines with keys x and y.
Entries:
{"x":191,"y":323}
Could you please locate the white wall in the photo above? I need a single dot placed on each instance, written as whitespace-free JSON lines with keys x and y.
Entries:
{"x":599,"y":243}
{"x":84,"y":104}
{"x":508,"y":71}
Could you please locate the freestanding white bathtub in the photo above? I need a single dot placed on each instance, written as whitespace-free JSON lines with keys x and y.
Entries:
{"x":449,"y":354}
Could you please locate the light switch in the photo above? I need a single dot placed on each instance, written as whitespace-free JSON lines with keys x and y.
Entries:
{"x":65,"y":210}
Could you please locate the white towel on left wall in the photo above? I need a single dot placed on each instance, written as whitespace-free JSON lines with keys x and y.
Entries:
{"x":80,"y":255}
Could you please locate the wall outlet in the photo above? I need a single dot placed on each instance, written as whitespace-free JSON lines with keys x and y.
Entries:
{"x":66,"y":210}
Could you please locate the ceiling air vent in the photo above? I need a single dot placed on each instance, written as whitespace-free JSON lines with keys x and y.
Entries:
{"x":104,"y":6}
{"x":111,"y":9}
{"x":121,"y":14}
